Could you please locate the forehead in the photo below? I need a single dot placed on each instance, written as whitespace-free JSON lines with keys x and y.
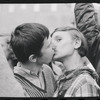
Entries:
{"x":64,"y":34}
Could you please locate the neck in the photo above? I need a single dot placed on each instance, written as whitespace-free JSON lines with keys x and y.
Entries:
{"x":73,"y":61}
{"x":34,"y":67}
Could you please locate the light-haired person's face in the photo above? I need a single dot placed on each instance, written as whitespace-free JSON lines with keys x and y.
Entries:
{"x":46,"y":51}
{"x":63,"y":45}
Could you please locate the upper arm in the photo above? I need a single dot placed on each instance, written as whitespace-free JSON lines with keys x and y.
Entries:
{"x":87,"y":90}
{"x":83,"y":86}
{"x":49,"y":74}
{"x":85,"y":19}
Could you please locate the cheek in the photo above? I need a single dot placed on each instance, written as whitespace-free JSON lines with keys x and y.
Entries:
{"x":47,"y":54}
{"x":65,"y":47}
{"x":62,"y":46}
{"x":69,"y":49}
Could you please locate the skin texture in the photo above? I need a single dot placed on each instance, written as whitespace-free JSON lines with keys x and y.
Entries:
{"x":47,"y":52}
{"x":63,"y":45}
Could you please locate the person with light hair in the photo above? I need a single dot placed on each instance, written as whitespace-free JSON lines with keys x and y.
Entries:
{"x":77,"y":80}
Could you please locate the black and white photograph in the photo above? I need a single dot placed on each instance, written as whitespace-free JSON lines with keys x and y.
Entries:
{"x":50,"y":50}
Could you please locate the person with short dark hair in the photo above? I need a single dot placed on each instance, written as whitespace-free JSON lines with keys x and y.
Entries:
{"x":31,"y":45}
{"x":78,"y":80}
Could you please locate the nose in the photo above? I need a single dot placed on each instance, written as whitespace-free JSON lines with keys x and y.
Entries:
{"x":53,"y":46}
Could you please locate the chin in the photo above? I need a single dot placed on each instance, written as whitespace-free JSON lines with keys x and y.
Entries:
{"x":47,"y":62}
{"x":57,"y":59}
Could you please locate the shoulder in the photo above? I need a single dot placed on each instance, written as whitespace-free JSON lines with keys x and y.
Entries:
{"x":85,"y":82}
{"x":83,"y":85}
{"x":85,"y":78}
{"x":48,"y":71}
{"x":46,"y":68}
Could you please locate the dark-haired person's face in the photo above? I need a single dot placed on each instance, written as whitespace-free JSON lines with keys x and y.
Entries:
{"x":46,"y":51}
{"x":62,"y":43}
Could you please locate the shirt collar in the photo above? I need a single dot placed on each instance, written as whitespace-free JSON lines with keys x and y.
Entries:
{"x":73,"y":73}
{"x":29,"y":71}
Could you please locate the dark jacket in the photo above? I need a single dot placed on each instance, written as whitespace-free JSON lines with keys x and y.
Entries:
{"x":86,"y":22}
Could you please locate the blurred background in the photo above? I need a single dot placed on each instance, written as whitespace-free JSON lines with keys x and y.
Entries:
{"x":51,"y":15}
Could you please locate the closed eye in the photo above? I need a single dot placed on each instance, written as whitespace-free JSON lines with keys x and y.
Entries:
{"x":59,"y":40}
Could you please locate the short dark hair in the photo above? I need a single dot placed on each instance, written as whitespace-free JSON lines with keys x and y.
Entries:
{"x":83,"y":49}
{"x":28,"y":39}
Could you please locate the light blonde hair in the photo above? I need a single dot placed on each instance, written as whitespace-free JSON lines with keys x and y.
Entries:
{"x":75,"y":33}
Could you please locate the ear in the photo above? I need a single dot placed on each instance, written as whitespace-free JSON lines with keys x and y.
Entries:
{"x":77,"y":43}
{"x":32,"y":58}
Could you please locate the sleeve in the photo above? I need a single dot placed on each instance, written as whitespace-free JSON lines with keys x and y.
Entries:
{"x":49,"y":73}
{"x":87,"y":90}
{"x":86,"y":20}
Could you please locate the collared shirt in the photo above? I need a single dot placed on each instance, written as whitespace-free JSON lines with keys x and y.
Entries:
{"x":78,"y":83}
{"x":41,"y":85}
{"x":37,"y":80}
